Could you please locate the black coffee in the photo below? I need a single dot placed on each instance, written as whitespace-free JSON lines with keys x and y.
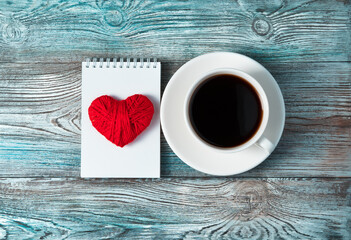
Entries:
{"x":225,"y":111}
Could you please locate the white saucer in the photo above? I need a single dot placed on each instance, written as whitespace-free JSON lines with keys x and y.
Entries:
{"x":186,"y":146}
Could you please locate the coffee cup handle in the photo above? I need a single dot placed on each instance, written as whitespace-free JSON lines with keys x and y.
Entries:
{"x":265,"y":144}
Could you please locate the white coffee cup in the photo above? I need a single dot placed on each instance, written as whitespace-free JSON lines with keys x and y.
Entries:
{"x":258,"y":138}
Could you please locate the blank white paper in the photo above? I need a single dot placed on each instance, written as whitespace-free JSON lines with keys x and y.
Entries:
{"x":101,"y":158}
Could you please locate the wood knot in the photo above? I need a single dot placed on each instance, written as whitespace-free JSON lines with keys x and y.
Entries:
{"x":13,"y":31}
{"x":261,"y":26}
{"x":251,"y":199}
{"x":113,"y":14}
{"x":114,"y":17}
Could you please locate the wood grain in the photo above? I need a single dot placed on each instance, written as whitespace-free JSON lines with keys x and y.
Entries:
{"x":40,"y":121}
{"x":175,"y":209}
{"x":304,"y":43}
{"x":68,"y":31}
{"x":41,"y":44}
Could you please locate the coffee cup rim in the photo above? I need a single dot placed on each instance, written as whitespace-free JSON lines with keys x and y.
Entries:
{"x":261,"y":94}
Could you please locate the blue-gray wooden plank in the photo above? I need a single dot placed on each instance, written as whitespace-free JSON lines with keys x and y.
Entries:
{"x":170,"y":208}
{"x":40,"y":121}
{"x":66,"y":31}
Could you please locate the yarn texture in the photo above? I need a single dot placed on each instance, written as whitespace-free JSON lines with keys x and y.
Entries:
{"x":121,"y":121}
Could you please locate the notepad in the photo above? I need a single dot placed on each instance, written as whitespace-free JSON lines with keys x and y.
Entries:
{"x":120,"y":78}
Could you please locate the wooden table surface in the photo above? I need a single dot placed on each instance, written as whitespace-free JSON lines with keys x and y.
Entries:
{"x":302,"y":191}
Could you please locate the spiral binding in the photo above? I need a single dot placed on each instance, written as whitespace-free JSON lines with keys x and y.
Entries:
{"x":115,"y":63}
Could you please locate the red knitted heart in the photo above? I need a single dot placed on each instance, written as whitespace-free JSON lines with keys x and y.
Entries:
{"x":121,"y":121}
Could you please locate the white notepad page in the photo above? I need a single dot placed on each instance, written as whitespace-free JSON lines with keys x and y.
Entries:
{"x":101,"y":158}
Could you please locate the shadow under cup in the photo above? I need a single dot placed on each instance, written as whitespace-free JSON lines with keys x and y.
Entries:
{"x":227,"y":109}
